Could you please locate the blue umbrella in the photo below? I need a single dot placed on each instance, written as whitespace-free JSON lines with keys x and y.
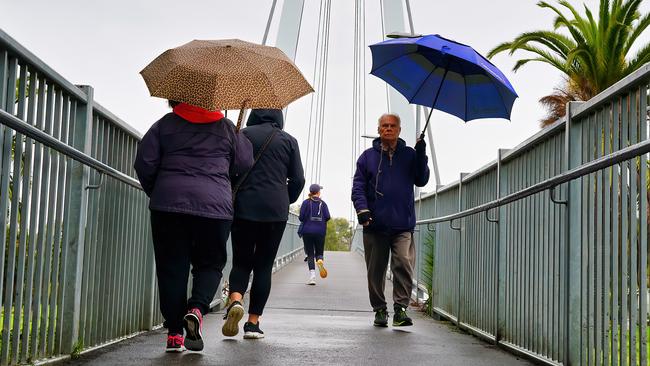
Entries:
{"x":443,"y":74}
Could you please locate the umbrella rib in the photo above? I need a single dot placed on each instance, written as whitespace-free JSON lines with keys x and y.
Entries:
{"x":465,"y":84}
{"x":505,"y":108}
{"x":424,"y":82}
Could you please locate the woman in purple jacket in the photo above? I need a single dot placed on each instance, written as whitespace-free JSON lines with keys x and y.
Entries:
{"x":184,"y":163}
{"x":314,"y":215}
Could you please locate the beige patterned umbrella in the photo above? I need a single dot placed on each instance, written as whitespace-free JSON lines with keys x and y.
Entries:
{"x":226,"y":74}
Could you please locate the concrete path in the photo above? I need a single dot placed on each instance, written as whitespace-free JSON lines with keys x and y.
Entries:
{"x":326,"y":324}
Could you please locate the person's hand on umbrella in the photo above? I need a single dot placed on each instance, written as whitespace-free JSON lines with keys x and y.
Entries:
{"x":364,"y":217}
{"x":421,"y":147}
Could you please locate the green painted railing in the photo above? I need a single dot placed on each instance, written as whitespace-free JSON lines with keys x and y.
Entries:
{"x":545,"y":250}
{"x":76,"y":264}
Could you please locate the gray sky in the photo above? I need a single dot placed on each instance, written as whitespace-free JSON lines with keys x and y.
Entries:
{"x":106,"y":43}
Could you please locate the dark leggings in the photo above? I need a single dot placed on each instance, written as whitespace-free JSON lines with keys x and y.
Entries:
{"x":314,"y":246}
{"x":180,"y":240}
{"x":254,"y":247}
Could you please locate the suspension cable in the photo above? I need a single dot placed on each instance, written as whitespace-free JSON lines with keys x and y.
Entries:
{"x":325,"y":68}
{"x":314,"y":83}
{"x":321,"y":97}
{"x":268,"y":22}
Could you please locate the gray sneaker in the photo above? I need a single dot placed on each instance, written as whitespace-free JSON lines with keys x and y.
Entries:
{"x":233,"y":315}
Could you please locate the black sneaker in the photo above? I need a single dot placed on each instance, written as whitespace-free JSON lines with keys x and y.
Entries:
{"x":252,"y":331}
{"x":400,"y":319}
{"x":193,"y":323}
{"x":381,"y":318}
{"x":233,"y":315}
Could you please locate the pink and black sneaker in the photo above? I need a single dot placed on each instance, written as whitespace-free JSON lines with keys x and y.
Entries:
{"x":175,"y":343}
{"x":193,"y":336}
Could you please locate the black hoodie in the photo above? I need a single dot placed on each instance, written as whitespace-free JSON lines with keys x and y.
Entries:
{"x":277,"y":178}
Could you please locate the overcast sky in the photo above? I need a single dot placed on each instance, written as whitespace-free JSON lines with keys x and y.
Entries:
{"x":106,"y":43}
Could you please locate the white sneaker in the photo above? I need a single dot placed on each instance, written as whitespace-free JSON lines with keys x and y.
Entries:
{"x":312,"y":277}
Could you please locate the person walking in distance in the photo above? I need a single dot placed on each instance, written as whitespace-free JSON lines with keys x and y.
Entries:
{"x":314,"y":215}
{"x":382,"y":194}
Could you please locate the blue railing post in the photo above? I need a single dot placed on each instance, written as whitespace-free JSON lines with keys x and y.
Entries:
{"x":573,"y":262}
{"x":502,"y":190}
{"x":75,"y":224}
{"x":150,"y":292}
{"x":460,"y":230}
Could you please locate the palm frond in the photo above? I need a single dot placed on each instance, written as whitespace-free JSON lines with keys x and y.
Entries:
{"x":562,"y":21}
{"x":641,"y":58}
{"x":630,"y":11}
{"x":578,"y":21}
{"x":587,"y":61}
{"x":522,"y":62}
{"x":641,"y":26}
{"x":557,"y":62}
{"x":555,"y":41}
{"x":593,"y":31}
{"x":603,"y":16}
{"x":505,"y":46}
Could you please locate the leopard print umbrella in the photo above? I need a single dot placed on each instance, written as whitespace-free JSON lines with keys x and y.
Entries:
{"x":226,"y":74}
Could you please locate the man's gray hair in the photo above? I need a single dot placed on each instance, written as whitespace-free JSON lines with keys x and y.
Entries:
{"x":394,"y":115}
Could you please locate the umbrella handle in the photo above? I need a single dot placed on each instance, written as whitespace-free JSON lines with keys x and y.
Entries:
{"x":428,"y":118}
{"x":241,"y":115}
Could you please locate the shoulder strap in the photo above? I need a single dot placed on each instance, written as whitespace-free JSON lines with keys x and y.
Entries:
{"x":257,"y":157}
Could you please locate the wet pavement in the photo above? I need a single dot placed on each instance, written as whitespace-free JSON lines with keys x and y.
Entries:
{"x":326,"y":324}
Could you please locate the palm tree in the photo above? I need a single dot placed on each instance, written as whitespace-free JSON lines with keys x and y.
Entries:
{"x":592,"y":54}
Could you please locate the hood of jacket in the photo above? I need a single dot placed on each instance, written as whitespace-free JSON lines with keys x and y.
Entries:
{"x":376,"y":144}
{"x":262,"y":116}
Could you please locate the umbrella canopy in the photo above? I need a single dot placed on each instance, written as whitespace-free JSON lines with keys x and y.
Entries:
{"x":226,"y":74}
{"x":443,"y":74}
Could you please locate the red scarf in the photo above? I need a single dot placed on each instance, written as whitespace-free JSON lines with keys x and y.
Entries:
{"x":196,"y":114}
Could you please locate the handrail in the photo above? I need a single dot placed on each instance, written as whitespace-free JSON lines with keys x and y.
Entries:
{"x":36,"y":63}
{"x":593,"y":166}
{"x":34,"y":133}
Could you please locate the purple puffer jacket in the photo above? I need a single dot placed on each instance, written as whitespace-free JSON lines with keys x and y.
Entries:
{"x":186,"y":167}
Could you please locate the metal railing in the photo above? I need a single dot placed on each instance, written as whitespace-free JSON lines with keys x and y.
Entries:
{"x":76,"y":263}
{"x":545,"y":250}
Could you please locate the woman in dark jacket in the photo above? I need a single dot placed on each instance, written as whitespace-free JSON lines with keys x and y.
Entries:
{"x":183,"y":164}
{"x":261,"y":212}
{"x":314,"y":216}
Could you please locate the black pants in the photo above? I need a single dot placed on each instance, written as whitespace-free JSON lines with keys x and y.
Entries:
{"x":314,"y":247}
{"x":254,"y":247}
{"x":180,"y":240}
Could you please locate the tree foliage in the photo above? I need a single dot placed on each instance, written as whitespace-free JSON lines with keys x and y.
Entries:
{"x":592,"y":52}
{"x":339,"y":235}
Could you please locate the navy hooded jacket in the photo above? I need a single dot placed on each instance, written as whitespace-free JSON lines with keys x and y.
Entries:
{"x":314,"y":214}
{"x":277,"y":178}
{"x":185,"y":167}
{"x":384,"y":185}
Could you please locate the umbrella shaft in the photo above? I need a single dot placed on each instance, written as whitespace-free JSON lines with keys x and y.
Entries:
{"x":435,"y":100}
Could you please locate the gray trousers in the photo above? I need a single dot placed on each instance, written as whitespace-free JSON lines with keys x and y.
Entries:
{"x":401,"y":249}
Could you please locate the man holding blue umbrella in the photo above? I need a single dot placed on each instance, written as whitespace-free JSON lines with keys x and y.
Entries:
{"x":431,"y":71}
{"x":382,"y":193}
